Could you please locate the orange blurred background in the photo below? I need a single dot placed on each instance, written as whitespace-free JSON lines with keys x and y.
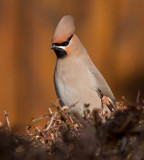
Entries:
{"x":112,"y":31}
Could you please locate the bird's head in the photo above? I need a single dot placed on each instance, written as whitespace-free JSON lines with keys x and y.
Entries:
{"x":64,"y":41}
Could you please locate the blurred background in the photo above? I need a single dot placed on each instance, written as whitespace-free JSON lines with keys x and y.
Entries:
{"x":112,"y":31}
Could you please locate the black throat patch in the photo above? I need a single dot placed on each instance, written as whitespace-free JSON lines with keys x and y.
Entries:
{"x":60,"y":53}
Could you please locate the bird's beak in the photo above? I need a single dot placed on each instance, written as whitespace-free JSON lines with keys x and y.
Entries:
{"x":53,"y":46}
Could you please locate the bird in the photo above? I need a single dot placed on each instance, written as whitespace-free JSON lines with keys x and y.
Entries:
{"x":76,"y":79}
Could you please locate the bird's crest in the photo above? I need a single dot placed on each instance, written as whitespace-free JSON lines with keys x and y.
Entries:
{"x":64,"y":29}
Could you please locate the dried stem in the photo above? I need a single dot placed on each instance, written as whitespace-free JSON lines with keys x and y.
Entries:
{"x":7,"y":120}
{"x":50,"y":123}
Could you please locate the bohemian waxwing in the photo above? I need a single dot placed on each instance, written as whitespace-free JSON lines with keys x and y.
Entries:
{"x":76,"y":79}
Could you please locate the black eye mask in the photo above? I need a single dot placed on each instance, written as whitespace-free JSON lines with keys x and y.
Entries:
{"x":64,"y":43}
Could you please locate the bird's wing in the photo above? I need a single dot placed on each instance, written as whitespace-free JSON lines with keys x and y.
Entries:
{"x":101,"y":84}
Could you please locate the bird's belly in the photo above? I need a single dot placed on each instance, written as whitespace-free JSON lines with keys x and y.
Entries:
{"x":79,"y":94}
{"x":67,"y":93}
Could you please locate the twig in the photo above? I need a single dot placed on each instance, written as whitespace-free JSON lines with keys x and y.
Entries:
{"x":138,"y":98}
{"x":50,"y":111}
{"x":50,"y":123}
{"x":7,"y":120}
{"x":127,"y":101}
{"x":73,"y":105}
{"x":39,"y":119}
{"x":70,"y":118}
{"x":123,"y":144}
{"x":28,"y":127}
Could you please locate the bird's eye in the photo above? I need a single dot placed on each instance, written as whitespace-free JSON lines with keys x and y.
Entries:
{"x":66,"y":43}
